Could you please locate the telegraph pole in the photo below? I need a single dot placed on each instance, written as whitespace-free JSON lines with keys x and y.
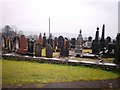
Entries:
{"x":49,"y":26}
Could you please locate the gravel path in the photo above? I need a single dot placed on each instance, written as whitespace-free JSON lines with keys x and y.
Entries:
{"x":87,"y":84}
{"x":114,"y":83}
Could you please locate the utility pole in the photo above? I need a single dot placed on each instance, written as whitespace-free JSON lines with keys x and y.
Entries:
{"x":49,"y":26}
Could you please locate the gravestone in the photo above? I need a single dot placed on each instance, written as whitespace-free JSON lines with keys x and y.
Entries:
{"x":43,"y":52}
{"x":102,"y":40}
{"x":17,"y":42}
{"x":44,"y":42}
{"x":40,"y":38}
{"x":110,"y":47}
{"x":107,"y":41}
{"x":95,"y":43}
{"x":79,"y":45}
{"x":61,"y":45}
{"x":66,"y":47}
{"x":23,"y":45}
{"x":50,"y":40}
{"x":30,"y":46}
{"x":3,"y":42}
{"x":117,"y":50}
{"x":89,"y":38}
{"x":9,"y":44}
{"x":49,"y":51}
{"x":88,"y":44}
{"x":38,"y":50}
{"x":80,"y":39}
{"x":73,"y":41}
{"x":55,"y":43}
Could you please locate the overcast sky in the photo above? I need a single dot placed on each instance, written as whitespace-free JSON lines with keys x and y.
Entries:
{"x":67,"y":16}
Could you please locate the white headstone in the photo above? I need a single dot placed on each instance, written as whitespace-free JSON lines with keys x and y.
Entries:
{"x":80,"y":39}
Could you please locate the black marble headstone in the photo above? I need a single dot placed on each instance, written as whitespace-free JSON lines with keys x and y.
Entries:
{"x":50,"y":40}
{"x":55,"y":43}
{"x":107,"y":41}
{"x":95,"y":43}
{"x":44,"y":41}
{"x":90,"y":38}
{"x":117,"y":50}
{"x":61,"y":45}
{"x":73,"y":41}
{"x":102,"y":40}
{"x":30,"y":46}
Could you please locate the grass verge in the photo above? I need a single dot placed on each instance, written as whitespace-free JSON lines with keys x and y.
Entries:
{"x":23,"y":72}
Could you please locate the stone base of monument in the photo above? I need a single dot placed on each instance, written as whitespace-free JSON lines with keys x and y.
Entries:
{"x":22,"y":51}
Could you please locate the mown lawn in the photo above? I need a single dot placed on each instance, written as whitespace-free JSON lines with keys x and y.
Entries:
{"x":22,"y":72}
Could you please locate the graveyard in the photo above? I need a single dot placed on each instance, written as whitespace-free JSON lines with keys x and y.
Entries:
{"x":49,"y":59}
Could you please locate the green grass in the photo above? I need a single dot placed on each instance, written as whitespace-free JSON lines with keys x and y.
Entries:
{"x":0,"y":71}
{"x":23,"y":72}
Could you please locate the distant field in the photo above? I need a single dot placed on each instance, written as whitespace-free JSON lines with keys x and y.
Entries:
{"x":23,"y":72}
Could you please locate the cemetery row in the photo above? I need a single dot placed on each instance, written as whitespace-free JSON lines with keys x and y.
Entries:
{"x":29,"y":46}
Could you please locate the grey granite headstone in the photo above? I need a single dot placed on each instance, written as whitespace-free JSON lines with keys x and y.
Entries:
{"x":49,"y":51}
{"x":38,"y":50}
{"x":66,"y":47}
{"x":79,"y":45}
{"x":80,"y":39}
